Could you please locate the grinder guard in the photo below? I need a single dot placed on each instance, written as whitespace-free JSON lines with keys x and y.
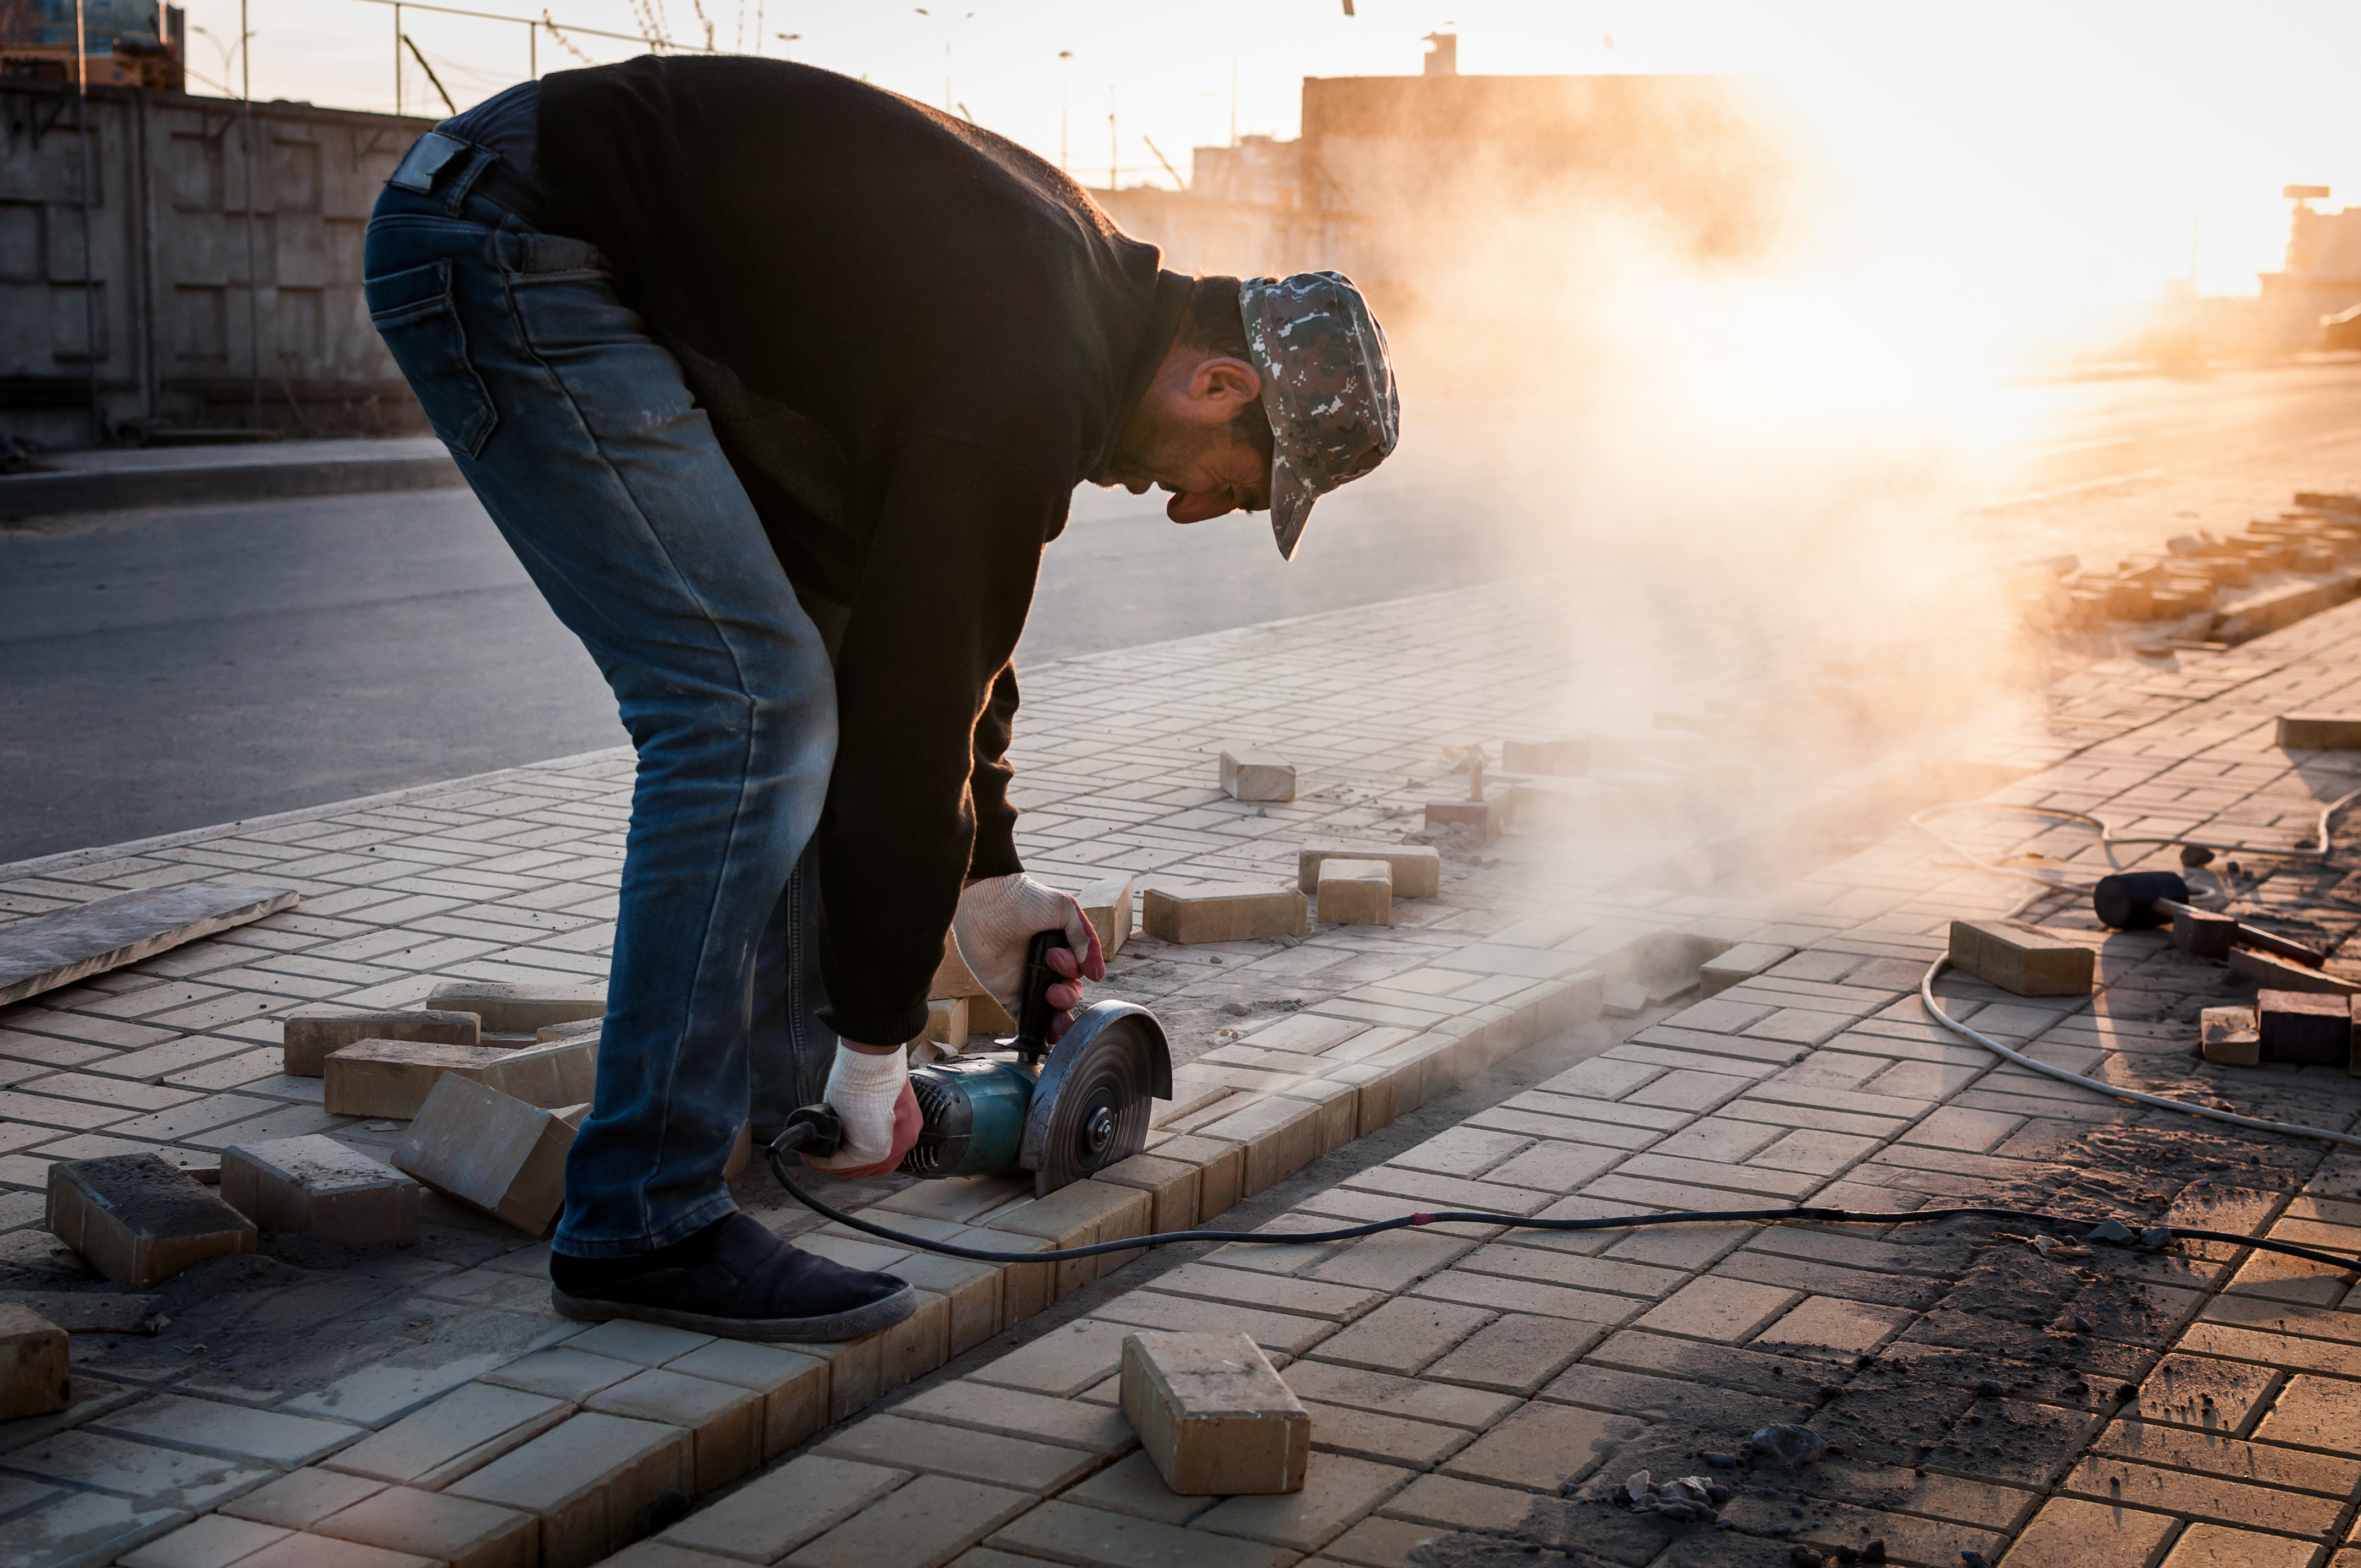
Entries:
{"x":1091,"y":1105}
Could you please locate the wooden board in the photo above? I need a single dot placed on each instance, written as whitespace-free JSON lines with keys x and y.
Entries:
{"x":67,"y":945}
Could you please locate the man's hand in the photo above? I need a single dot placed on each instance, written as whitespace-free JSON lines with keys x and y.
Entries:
{"x":996,"y":920}
{"x":869,"y":1088}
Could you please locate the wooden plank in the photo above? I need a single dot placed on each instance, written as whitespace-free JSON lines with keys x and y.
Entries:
{"x":50,"y":950}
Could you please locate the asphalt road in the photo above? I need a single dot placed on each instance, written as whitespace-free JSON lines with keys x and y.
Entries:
{"x":170,"y":669}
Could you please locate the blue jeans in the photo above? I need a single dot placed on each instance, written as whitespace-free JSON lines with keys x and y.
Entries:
{"x":574,"y":428}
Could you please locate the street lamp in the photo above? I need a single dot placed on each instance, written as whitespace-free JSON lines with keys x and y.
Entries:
{"x":951,"y":26}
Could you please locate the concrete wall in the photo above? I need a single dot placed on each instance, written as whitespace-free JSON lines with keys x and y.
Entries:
{"x":186,"y":323}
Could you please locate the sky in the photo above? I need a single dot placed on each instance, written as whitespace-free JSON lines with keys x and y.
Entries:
{"x":2085,"y":154}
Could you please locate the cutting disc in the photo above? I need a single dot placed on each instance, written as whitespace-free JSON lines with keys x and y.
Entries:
{"x":1092,"y":1105}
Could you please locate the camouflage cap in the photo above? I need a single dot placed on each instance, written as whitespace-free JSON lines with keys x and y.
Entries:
{"x":1327,"y":385}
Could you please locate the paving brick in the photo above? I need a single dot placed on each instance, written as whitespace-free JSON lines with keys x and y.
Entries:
{"x":561,"y":1372}
{"x":1739,"y":963}
{"x":450,"y":1530}
{"x":553,"y":1075}
{"x":1416,"y":870}
{"x":1012,"y":1413}
{"x":1304,"y":1298}
{"x":591,"y":1480}
{"x":664,"y":1554}
{"x":927,"y":1522}
{"x":1357,"y":892}
{"x":1235,"y":916}
{"x":793,"y":1388}
{"x":1171,"y":1185}
{"x":462,"y":1432}
{"x":916,"y":1346}
{"x":1220,"y":1170}
{"x":1387,"y":1440}
{"x":1337,"y":1491}
{"x":1063,"y":1532}
{"x":312,"y":1033}
{"x":1132,"y":1486}
{"x":1279,"y":1136}
{"x":1283,"y":1333}
{"x":496,"y":1155}
{"x":1829,"y":1326}
{"x":1717,"y":1309}
{"x":508,"y":1008}
{"x":2217,"y":1546}
{"x":1256,"y":775}
{"x":315,"y":1186}
{"x":893,"y":1442}
{"x":272,"y":1436}
{"x":2230,"y":1036}
{"x":1062,"y":1362}
{"x":1213,"y":1415}
{"x":726,"y":1421}
{"x":1542,"y":1447}
{"x":1080,"y":1215}
{"x":972,"y":1291}
{"x":647,"y":1344}
{"x":215,"y":1540}
{"x":2017,"y":959}
{"x":34,"y":1370}
{"x":297,"y":1500}
{"x":2261,"y":1463}
{"x":319,"y":1551}
{"x":782,"y":1509}
{"x":2070,"y":1534}
{"x":1404,"y":1335}
{"x":1526,"y":1296}
{"x":139,"y":1219}
{"x":854,"y":1369}
{"x":1453,"y":1502}
{"x":1107,"y":904}
{"x":1384,"y":1394}
{"x":1518,"y":1354}
{"x":2199,"y":1496}
{"x":391,"y":1078}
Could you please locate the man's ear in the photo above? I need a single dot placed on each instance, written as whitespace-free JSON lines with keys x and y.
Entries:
{"x":1229,"y":384}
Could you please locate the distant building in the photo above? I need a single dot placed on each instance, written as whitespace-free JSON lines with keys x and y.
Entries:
{"x":2322,"y":276}
{"x":1418,"y":186}
{"x":127,"y":43}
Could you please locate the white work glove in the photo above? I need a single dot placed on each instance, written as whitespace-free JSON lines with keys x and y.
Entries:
{"x":997,"y":922}
{"x":867,"y":1091}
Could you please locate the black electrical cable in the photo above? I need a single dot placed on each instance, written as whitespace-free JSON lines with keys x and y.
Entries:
{"x":789,"y":1140}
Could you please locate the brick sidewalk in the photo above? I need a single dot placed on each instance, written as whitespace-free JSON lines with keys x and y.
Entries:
{"x":374,"y":1397}
{"x":1480,"y":1396}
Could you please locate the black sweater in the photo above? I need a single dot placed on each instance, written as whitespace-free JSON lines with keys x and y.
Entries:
{"x":914,"y":339}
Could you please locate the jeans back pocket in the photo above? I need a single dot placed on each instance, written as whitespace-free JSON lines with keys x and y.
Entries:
{"x":418,"y":318}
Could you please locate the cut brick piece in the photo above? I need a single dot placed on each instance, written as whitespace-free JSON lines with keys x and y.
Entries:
{"x":1743,"y":961}
{"x":1226,"y":916}
{"x":1475,"y":814}
{"x":1622,"y":999}
{"x":43,"y":952}
{"x":559,"y":1072}
{"x":490,"y":1151}
{"x":313,"y":1035}
{"x":1357,"y":892}
{"x":2304,"y":1028}
{"x":2229,"y":1035}
{"x":725,"y":1418}
{"x":1416,"y":868}
{"x":2319,"y":733}
{"x":580,"y":1029}
{"x":2279,"y":974}
{"x":1107,"y":905}
{"x":138,"y":1219}
{"x":1213,"y":1415}
{"x":391,"y":1078}
{"x":33,"y":1374}
{"x":946,"y":1024}
{"x":1566,"y":758}
{"x":508,"y":1008}
{"x":1257,"y":776}
{"x":2019,"y":960}
{"x":2204,"y":933}
{"x":952,"y":978}
{"x":315,"y":1186}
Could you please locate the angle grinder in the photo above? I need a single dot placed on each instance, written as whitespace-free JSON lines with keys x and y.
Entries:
{"x":1059,"y":1111}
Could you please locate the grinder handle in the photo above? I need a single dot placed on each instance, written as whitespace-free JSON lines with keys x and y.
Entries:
{"x":1033,"y":995}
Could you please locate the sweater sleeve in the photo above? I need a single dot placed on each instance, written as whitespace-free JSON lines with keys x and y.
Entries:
{"x":995,"y":819}
{"x":943,"y":592}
